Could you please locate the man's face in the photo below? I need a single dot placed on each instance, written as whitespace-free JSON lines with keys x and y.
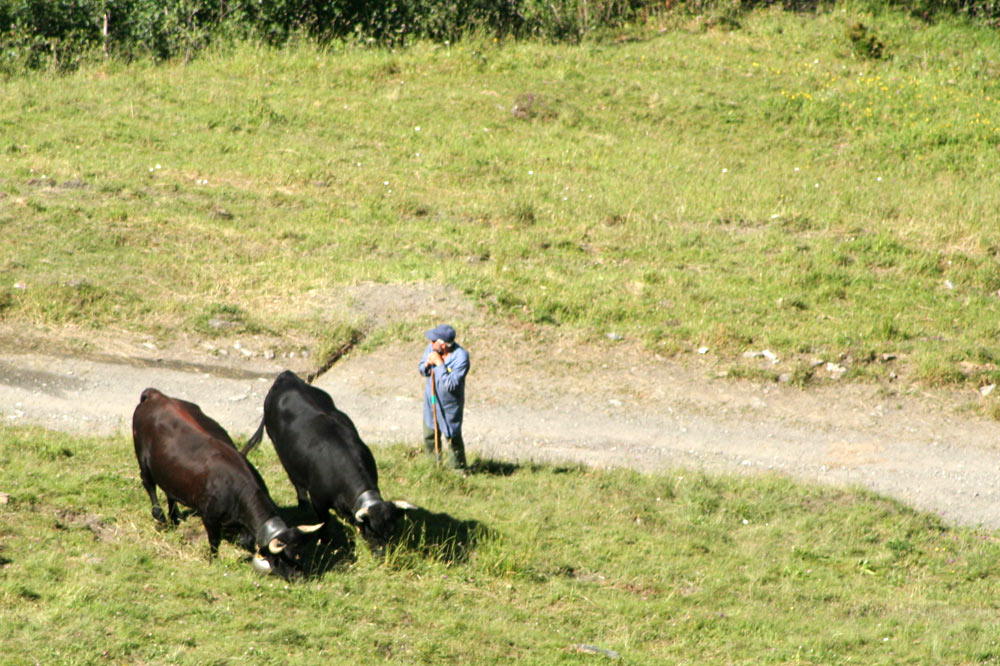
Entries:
{"x":440,"y":346}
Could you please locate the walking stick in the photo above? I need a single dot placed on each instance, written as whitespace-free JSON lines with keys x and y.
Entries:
{"x":437,"y":430}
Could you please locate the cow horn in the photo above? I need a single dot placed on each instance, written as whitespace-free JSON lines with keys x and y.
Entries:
{"x":361,"y":514}
{"x":276,"y":545}
{"x":310,"y":528}
{"x":406,"y":506}
{"x":260,"y":564}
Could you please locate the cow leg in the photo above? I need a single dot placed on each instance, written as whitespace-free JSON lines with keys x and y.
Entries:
{"x":321,"y":512}
{"x":246,"y":540}
{"x":214,"y":530}
{"x":172,"y":511}
{"x":302,"y":495}
{"x":150,"y":487}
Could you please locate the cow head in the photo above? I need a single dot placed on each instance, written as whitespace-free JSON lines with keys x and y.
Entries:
{"x":377,"y":522}
{"x":283,"y":551}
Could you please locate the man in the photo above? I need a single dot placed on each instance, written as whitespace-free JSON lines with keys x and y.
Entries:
{"x":445,"y":363}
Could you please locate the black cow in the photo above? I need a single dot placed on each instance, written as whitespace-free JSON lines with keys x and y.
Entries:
{"x":325,"y":458}
{"x":194,"y":461}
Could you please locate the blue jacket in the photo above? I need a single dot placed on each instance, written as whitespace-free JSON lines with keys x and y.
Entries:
{"x":449,"y":379}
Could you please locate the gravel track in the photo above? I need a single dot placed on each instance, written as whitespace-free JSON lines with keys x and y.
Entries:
{"x":552,"y":403}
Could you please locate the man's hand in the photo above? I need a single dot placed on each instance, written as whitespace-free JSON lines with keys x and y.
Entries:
{"x":434,"y":358}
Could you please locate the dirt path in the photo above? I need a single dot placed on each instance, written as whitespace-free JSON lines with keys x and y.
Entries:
{"x":603,"y":407}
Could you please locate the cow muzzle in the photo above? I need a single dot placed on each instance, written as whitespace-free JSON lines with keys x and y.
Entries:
{"x":260,"y":564}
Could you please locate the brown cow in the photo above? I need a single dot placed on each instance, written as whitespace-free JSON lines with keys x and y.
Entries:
{"x":194,"y":461}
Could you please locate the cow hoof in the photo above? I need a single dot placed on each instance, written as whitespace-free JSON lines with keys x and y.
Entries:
{"x":158,"y":515}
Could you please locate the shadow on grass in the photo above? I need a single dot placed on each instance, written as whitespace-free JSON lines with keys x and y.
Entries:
{"x":489,"y":467}
{"x":493,"y":467}
{"x":335,"y":544}
{"x":332,"y":547}
{"x":438,"y":536}
{"x":422,"y":534}
{"x":183,"y":513}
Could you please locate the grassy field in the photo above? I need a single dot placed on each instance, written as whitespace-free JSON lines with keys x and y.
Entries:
{"x":514,"y":563}
{"x":774,"y":186}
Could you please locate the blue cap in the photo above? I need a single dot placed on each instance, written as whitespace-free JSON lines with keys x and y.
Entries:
{"x":441,"y":332}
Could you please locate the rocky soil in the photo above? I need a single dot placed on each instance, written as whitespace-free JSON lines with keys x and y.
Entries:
{"x":537,"y":397}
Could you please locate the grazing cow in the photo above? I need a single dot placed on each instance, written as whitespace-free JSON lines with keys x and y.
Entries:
{"x":194,"y":461}
{"x":325,"y":458}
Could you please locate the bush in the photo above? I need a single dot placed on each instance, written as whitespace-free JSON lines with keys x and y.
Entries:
{"x":59,"y":33}
{"x":987,"y":10}
{"x":39,"y":32}
{"x":571,"y":19}
{"x":865,"y":42}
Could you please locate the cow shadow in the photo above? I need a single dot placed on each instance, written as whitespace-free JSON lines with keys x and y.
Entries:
{"x":335,"y":545}
{"x":421,"y":533}
{"x":439,"y":536}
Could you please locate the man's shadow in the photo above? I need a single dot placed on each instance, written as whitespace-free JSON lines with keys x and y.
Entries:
{"x":488,"y":467}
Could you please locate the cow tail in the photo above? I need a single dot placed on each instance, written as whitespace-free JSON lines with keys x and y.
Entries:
{"x":254,"y":439}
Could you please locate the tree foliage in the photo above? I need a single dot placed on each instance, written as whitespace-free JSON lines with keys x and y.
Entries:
{"x":57,"y":33}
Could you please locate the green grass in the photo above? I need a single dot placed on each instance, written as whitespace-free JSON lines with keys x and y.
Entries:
{"x":516,"y":562}
{"x":767,"y":187}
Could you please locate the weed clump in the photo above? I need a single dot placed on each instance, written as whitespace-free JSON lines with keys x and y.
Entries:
{"x":865,"y":42}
